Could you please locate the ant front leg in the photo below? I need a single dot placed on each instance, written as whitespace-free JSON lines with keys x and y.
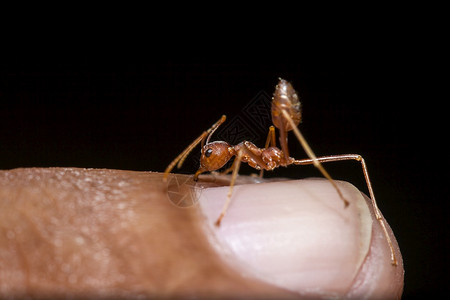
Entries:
{"x":236,"y":165}
{"x":377,"y":211}
{"x":245,"y":152}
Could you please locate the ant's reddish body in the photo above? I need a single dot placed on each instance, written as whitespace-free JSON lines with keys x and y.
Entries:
{"x":286,"y":115}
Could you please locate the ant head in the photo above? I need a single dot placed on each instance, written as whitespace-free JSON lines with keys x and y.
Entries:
{"x":215,"y":155}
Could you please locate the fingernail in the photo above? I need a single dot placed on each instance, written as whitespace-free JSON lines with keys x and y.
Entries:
{"x":292,"y":234}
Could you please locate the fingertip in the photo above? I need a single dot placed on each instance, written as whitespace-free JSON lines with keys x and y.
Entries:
{"x":381,"y":276}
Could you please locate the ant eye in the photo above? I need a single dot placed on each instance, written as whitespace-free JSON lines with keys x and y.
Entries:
{"x":208,"y":152}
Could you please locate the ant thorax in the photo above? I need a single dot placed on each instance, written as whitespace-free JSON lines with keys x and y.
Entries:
{"x":261,"y":158}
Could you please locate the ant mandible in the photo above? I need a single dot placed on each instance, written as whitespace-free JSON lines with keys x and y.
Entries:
{"x":286,"y":115}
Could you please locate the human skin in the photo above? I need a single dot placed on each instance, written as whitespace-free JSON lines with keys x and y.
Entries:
{"x":70,"y":232}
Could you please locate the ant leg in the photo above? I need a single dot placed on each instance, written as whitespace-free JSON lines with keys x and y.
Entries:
{"x":269,"y":141}
{"x":179,"y":160}
{"x":236,"y":164}
{"x":359,"y":158}
{"x":245,"y":150}
{"x":312,"y":156}
{"x":271,"y":138}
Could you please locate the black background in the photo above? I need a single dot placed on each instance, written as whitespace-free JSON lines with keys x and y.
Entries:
{"x":139,"y":113}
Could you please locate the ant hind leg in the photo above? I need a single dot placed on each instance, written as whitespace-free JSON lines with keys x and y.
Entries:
{"x":312,"y":156}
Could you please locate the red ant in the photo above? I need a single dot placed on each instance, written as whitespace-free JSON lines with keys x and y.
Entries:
{"x":286,"y":115}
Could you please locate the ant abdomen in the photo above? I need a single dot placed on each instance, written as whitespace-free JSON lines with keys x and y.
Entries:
{"x":285,"y":98}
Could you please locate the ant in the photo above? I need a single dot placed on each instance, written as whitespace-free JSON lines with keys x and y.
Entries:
{"x":286,"y":115}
